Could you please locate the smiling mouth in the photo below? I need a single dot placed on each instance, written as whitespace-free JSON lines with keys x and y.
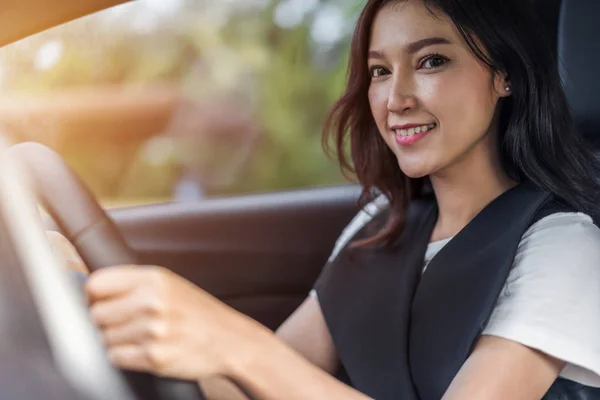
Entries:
{"x":415,"y":130}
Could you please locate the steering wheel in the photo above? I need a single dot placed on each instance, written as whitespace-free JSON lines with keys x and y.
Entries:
{"x":32,"y":173}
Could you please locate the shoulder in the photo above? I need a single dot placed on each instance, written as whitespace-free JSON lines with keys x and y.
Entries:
{"x":551,"y":299}
{"x":360,"y":220}
{"x":559,"y":252}
{"x":559,"y":221}
{"x":374,"y":215}
{"x":564,"y":237}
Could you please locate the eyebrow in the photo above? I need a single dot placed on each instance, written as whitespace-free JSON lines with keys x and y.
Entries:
{"x":414,"y":47}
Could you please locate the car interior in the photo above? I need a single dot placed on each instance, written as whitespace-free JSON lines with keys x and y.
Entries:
{"x":259,"y":253}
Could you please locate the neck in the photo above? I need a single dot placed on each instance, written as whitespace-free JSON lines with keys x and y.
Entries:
{"x":467,"y":187}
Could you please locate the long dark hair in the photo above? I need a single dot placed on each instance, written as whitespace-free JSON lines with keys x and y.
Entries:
{"x":537,"y":137}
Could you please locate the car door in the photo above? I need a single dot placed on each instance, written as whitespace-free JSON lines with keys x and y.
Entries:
{"x":259,"y":253}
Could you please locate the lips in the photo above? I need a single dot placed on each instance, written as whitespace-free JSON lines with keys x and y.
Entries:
{"x":407,"y":134}
{"x":409,"y":131}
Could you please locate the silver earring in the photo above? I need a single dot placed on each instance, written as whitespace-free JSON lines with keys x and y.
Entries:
{"x":508,"y":88}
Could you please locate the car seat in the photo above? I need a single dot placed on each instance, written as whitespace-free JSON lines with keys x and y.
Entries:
{"x":578,"y":49}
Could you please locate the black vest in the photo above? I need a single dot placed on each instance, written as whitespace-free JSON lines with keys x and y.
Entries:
{"x":404,"y":334}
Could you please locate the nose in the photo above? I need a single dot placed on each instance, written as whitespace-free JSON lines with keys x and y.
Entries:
{"x":401,"y":97}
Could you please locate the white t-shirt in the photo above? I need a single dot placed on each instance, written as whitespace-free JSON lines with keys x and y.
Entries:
{"x":551,"y":299}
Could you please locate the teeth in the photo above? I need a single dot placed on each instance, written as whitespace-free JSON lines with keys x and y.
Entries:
{"x":412,"y":131}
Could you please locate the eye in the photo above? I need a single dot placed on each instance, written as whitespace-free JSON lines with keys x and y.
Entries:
{"x":433,"y":61}
{"x":378,"y":71}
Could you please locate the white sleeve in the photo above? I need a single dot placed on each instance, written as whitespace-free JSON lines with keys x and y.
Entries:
{"x":551,"y":300}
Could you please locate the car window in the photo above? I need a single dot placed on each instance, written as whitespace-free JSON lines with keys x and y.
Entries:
{"x":181,"y":100}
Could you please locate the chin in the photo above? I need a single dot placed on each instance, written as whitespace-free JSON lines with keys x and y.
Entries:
{"x":416,"y":176}
{"x":415,"y":171}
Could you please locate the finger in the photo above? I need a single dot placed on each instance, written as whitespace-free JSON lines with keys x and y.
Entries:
{"x":63,"y":248}
{"x":118,"y":280}
{"x":130,"y":357}
{"x":120,"y":310}
{"x":139,"y":331}
{"x":135,"y":357}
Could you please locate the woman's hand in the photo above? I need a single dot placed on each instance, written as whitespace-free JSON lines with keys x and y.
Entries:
{"x":63,"y":248}
{"x":153,"y":320}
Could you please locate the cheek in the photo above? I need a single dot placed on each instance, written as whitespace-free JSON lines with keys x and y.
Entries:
{"x":465,"y":101}
{"x":378,"y":100}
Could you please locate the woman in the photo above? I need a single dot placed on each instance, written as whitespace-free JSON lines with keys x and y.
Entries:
{"x":461,"y":96}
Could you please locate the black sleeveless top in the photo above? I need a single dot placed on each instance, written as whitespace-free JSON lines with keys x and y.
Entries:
{"x":385,"y":316}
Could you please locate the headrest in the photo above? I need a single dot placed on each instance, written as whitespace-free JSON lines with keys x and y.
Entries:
{"x":549,"y":12}
{"x":579,"y":62}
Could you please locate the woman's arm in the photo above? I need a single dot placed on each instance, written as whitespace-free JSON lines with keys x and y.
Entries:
{"x":274,"y":370}
{"x":306,"y":332}
{"x":499,"y":369}
{"x":153,"y":320}
{"x":298,"y":363}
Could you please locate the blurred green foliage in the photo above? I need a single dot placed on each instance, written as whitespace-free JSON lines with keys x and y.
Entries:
{"x":284,"y":78}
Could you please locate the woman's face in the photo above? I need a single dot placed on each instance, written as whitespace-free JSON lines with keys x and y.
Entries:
{"x":432,"y":99}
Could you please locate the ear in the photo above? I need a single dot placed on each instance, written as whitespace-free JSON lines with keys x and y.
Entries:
{"x":502,"y":84}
